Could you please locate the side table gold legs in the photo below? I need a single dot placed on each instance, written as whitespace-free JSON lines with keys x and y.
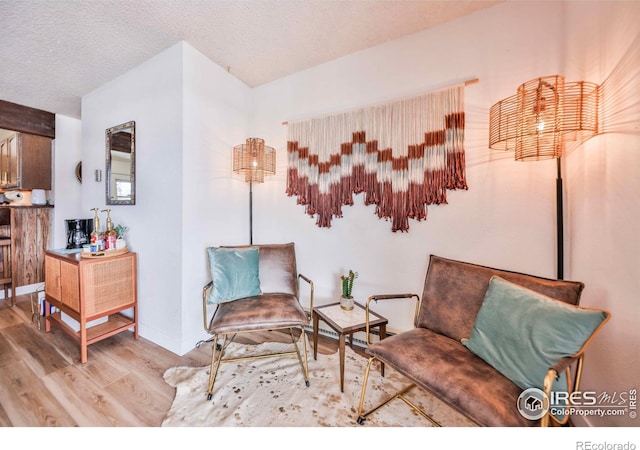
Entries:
{"x":345,"y":323}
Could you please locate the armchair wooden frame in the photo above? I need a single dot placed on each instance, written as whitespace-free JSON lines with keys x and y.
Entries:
{"x":563,"y":365}
{"x":227,"y":337}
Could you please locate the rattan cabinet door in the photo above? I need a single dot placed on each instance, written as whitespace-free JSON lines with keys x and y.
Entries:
{"x":109,"y":285}
{"x":62,"y":282}
{"x":52,"y":277}
{"x":70,"y":285}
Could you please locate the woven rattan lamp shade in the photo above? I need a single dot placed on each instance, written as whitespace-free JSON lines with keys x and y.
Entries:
{"x":254,"y":160}
{"x":539,"y":120}
{"x":544,"y":114}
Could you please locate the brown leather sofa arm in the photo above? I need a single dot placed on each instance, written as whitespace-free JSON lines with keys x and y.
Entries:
{"x":311,"y":293}
{"x":205,"y":288}
{"x":390,"y":297}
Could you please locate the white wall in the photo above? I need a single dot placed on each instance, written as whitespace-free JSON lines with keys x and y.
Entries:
{"x":507,"y":217}
{"x":151,"y":95}
{"x":187,"y":121}
{"x":603,"y":184}
{"x":67,"y":154}
{"x":217,"y":108}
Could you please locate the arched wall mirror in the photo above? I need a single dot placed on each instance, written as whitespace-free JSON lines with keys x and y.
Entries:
{"x":121,"y":164}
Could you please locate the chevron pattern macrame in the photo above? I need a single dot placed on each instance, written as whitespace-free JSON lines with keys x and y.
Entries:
{"x":402,"y":156}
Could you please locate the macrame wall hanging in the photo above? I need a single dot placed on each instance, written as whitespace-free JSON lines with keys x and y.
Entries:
{"x":402,"y":156}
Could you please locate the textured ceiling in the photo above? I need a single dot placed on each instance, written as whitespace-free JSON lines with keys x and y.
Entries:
{"x":55,"y":51}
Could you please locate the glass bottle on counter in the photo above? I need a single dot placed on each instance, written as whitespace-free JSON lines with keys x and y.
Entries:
{"x":110,"y":235}
{"x":96,"y":239}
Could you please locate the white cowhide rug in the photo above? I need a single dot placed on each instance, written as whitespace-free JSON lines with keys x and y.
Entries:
{"x":271,"y":392}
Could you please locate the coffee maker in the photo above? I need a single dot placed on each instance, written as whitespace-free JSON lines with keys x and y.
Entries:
{"x":78,"y":232}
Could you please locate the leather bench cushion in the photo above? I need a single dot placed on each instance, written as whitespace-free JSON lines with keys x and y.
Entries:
{"x":262,"y":312}
{"x":454,"y":291}
{"x":448,"y":370}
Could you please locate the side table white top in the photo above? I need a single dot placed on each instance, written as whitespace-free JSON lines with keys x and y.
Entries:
{"x":345,"y":318}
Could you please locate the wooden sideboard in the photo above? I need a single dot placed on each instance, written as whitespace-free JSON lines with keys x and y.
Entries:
{"x":88,"y":289}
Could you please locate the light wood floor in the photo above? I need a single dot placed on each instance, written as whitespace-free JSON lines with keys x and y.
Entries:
{"x":43,"y":383}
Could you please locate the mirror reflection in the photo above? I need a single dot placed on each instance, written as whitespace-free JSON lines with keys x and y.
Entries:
{"x":120,"y":165}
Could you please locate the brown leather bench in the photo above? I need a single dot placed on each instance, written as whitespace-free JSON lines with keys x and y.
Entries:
{"x":432,"y":355}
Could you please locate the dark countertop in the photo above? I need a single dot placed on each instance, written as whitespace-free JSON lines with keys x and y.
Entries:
{"x":9,"y":205}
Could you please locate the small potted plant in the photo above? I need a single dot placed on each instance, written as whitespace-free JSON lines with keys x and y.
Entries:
{"x":121,"y":232}
{"x":346,"y":300}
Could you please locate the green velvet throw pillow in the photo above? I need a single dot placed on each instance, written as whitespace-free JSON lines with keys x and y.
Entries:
{"x":521,"y":333}
{"x":234,"y":272}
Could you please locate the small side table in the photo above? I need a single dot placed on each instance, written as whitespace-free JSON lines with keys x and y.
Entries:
{"x":345,"y":323}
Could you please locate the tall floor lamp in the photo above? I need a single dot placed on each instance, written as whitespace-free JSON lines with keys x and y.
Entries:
{"x":538,"y":121}
{"x":254,"y":160}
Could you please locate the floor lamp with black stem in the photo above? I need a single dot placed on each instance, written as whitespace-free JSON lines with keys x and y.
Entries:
{"x":250,"y":212}
{"x":559,"y":220}
{"x":254,"y":160}
{"x":536,"y":122}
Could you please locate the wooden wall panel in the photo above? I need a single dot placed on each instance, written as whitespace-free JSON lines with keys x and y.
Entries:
{"x":29,"y":240}
{"x":27,"y":120}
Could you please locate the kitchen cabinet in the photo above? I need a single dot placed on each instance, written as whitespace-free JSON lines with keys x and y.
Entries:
{"x":88,"y":289}
{"x":30,"y":234}
{"x":25,"y":162}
